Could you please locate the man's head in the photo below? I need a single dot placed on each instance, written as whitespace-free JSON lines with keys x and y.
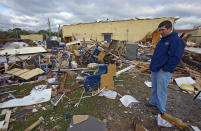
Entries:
{"x":165,"y":28}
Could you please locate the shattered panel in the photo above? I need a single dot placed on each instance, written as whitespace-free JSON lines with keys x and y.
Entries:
{"x":31,"y":73}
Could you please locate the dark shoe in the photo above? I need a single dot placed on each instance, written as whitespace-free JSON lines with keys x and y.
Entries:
{"x":156,"y":112}
{"x":149,"y":105}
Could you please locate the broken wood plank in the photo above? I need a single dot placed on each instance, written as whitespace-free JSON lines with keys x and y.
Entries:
{"x":35,"y":124}
{"x":79,"y":118}
{"x":63,"y":70}
{"x":198,"y":80}
{"x":197,"y":86}
{"x":175,"y":121}
{"x":63,"y":81}
{"x":7,"y":118}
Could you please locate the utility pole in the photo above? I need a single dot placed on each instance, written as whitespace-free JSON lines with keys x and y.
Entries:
{"x":49,"y":27}
{"x":15,"y":33}
{"x":13,"y":30}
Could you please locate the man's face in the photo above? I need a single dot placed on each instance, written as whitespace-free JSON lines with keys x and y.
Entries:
{"x":164,"y":31}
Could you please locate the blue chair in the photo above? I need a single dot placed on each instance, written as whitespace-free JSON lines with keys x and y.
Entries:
{"x":92,"y":82}
{"x":95,"y":52}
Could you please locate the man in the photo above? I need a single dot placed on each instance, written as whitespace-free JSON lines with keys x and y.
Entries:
{"x":166,"y":57}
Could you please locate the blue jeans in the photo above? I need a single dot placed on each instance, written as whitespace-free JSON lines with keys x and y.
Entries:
{"x":160,"y":81}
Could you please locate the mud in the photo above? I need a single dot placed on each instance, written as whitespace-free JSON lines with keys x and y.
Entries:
{"x":120,"y":118}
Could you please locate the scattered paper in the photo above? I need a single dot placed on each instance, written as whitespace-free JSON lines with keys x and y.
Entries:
{"x":162,"y":122}
{"x":109,"y":94}
{"x":36,"y":96}
{"x":148,"y":84}
{"x":184,"y":80}
{"x":128,"y":100}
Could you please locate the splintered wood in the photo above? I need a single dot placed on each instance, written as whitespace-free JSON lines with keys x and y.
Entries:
{"x":141,"y":67}
{"x":8,"y":114}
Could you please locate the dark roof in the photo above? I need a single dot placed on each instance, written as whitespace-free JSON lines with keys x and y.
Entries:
{"x":184,"y":30}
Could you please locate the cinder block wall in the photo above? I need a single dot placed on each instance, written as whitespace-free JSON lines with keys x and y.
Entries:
{"x":131,"y":30}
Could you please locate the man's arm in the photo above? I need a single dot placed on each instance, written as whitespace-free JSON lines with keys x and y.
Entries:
{"x":175,"y":53}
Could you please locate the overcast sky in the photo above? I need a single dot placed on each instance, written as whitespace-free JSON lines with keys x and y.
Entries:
{"x":34,"y":14}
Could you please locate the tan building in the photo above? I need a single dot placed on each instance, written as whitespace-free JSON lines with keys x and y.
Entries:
{"x":126,"y":30}
{"x":195,"y":32}
{"x":33,"y":37}
{"x":196,"y":35}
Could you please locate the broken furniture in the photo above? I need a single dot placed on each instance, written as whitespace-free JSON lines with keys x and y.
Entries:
{"x":25,"y":74}
{"x":92,"y":82}
{"x":97,"y":54}
{"x":44,"y":67}
{"x":3,"y":80}
{"x":197,"y":95}
{"x":103,"y":79}
{"x":197,"y":86}
{"x":131,"y":50}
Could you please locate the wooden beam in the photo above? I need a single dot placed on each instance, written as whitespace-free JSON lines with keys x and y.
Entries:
{"x":35,"y":124}
{"x":7,"y":118}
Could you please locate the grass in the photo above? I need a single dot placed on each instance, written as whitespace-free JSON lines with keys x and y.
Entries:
{"x":54,"y":116}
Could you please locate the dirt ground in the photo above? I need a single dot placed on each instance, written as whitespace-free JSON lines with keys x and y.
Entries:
{"x":112,"y":112}
{"x":120,"y":118}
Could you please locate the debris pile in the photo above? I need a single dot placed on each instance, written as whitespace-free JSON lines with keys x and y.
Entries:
{"x":92,"y":67}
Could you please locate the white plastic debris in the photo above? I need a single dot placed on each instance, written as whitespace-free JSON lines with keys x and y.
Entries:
{"x":184,"y":80}
{"x":40,"y":87}
{"x":43,"y":77}
{"x":34,"y":110}
{"x":195,"y":128}
{"x":55,"y":86}
{"x":109,"y":94}
{"x":163,"y":123}
{"x":1,"y":124}
{"x":43,"y":108}
{"x":92,"y":65}
{"x":36,"y":96}
{"x":128,"y":100}
{"x":74,"y":64}
{"x":3,"y":112}
{"x":124,"y":70}
{"x":80,"y":78}
{"x":51,"y":80}
{"x":148,"y":84}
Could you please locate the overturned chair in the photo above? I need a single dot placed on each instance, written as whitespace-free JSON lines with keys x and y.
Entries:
{"x":97,"y":54}
{"x":104,"y":79}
